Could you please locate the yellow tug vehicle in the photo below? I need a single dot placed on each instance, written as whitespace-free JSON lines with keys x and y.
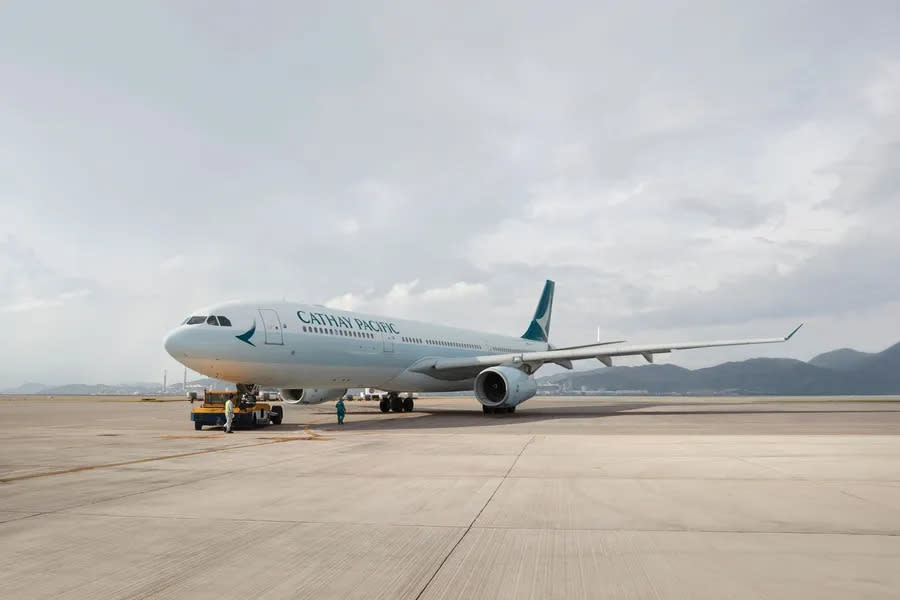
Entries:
{"x":250,"y":410}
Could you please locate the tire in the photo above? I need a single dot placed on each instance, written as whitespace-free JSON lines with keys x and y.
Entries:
{"x":408,"y":405}
{"x":198,"y":425}
{"x":510,"y":409}
{"x":486,"y":409}
{"x":384,"y":405}
{"x":396,"y":404}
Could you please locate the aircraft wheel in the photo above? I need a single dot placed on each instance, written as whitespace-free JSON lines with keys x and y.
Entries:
{"x":510,"y":409}
{"x":384,"y":405}
{"x":396,"y":404}
{"x":408,"y":405}
{"x":486,"y":409}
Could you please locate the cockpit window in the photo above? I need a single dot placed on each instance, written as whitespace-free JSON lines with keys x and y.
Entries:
{"x":224,"y":322}
{"x":195,"y":320}
{"x":212,"y":321}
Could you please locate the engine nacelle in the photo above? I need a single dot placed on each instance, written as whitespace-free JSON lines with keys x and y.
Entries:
{"x":311,"y":395}
{"x":504,"y":386}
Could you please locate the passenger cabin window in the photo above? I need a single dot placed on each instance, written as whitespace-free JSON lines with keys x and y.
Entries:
{"x":212,"y":321}
{"x":224,"y":322}
{"x":196,"y":320}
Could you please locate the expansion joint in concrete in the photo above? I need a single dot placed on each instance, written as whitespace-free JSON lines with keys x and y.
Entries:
{"x":474,"y":519}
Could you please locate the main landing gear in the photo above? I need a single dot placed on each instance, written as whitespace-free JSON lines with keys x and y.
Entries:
{"x":495,"y":410}
{"x":246,"y":388}
{"x":393,"y":402}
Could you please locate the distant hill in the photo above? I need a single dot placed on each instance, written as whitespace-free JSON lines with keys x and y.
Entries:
{"x":656,"y":379}
{"x":845,"y":359}
{"x":882,"y":369}
{"x":850,"y":372}
{"x":771,"y":376}
{"x":26,"y":388}
{"x":123,"y":389}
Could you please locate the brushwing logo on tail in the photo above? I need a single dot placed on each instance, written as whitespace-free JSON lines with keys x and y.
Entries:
{"x":539,"y":329}
{"x":245,"y":337}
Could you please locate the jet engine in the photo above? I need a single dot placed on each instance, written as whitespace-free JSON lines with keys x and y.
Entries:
{"x":503,"y":388}
{"x":311,"y":395}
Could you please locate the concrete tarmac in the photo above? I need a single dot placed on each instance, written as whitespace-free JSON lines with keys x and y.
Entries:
{"x":568,"y":498}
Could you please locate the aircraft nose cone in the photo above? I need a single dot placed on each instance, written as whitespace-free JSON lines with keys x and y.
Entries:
{"x":175,"y":344}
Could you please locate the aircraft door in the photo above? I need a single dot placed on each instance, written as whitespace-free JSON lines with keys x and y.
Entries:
{"x":272,"y":326}
{"x":388,"y":341}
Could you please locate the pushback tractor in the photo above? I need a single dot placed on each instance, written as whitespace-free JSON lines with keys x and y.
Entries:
{"x":250,"y":410}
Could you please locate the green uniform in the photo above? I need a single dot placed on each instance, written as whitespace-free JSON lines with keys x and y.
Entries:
{"x":341,"y":411}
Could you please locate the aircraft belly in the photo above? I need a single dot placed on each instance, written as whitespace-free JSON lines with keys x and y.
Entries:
{"x":277,"y":374}
{"x":409,"y":381}
{"x":304,"y":375}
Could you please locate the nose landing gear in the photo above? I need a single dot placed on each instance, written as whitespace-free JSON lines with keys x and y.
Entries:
{"x":246,"y":388}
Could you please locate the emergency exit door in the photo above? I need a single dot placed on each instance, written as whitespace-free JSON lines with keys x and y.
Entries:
{"x":272,"y":326}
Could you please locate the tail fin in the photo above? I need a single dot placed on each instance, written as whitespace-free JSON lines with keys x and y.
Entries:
{"x":539,"y":330}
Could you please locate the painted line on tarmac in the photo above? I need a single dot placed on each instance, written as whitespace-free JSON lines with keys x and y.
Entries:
{"x":275,"y":440}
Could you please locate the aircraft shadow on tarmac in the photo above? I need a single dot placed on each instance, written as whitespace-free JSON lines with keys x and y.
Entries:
{"x":439,"y":418}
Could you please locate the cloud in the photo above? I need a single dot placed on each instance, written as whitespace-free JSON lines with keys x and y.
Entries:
{"x":839,"y":279}
{"x":172,"y":263}
{"x":851,"y":277}
{"x":404,"y":299}
{"x":883,"y":93}
{"x":29,"y":281}
{"x":439,"y":164}
{"x":28,"y":304}
{"x":731,"y":213}
{"x":460,"y":290}
{"x":74,"y":294}
{"x":346,"y":301}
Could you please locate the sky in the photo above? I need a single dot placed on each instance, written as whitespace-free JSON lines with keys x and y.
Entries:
{"x":683,"y":170}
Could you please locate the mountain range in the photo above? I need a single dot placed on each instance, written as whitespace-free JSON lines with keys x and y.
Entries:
{"x":838,"y":372}
{"x":843,"y":371}
{"x":122,"y":389}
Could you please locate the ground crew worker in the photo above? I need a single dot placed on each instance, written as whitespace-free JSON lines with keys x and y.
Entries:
{"x":229,"y":415}
{"x":341,"y":411}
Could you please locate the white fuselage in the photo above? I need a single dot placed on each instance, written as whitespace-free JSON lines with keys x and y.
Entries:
{"x":286,"y":345}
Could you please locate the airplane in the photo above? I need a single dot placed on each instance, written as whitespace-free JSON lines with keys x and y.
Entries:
{"x":313,"y":353}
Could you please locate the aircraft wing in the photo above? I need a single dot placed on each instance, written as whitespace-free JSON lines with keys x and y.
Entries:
{"x":458,"y":368}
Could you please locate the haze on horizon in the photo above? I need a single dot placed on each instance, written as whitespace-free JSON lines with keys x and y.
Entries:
{"x":683,"y":170}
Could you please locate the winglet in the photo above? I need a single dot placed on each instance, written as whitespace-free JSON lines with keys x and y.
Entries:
{"x":791,"y":334}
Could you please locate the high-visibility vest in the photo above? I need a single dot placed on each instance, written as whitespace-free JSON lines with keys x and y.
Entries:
{"x":229,"y":407}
